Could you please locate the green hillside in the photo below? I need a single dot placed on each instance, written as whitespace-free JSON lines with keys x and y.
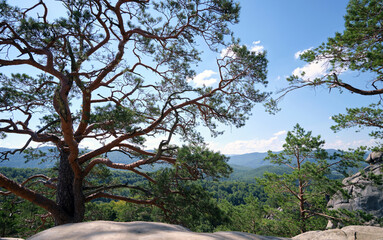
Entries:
{"x":246,"y":174}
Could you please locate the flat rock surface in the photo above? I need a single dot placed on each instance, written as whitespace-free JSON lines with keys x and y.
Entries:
{"x":346,"y":233}
{"x":9,"y":238}
{"x":100,"y":230}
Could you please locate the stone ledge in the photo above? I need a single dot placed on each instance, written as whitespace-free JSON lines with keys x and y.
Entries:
{"x":346,"y":233}
{"x":99,"y":230}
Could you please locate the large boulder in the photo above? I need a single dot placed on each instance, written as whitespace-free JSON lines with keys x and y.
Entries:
{"x":346,"y":233}
{"x":102,"y":230}
{"x":106,"y":230}
{"x":9,"y":238}
{"x":365,"y":195}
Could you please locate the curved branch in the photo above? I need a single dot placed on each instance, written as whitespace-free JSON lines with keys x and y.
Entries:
{"x":30,"y":195}
{"x":116,"y":197}
{"x":122,"y":166}
{"x":140,"y":151}
{"x":356,"y":90}
{"x":103,"y":188}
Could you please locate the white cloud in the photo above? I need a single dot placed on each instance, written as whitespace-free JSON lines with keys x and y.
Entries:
{"x":273,"y":143}
{"x":18,"y":141}
{"x":90,"y":144}
{"x":153,"y":142}
{"x":343,"y":145}
{"x":283,"y":132}
{"x":227,"y":52}
{"x":150,"y":142}
{"x":315,"y":69}
{"x":257,"y":48}
{"x":203,"y":79}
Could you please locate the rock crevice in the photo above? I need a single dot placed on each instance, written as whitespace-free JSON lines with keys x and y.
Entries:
{"x":364,"y":194}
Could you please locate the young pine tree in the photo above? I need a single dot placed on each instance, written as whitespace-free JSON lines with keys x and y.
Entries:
{"x":301,"y":194}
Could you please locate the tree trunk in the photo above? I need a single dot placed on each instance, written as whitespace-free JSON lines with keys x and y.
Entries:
{"x":302,"y":208}
{"x":69,"y":196}
{"x":302,"y":217}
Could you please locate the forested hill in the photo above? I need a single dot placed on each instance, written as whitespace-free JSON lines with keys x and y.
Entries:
{"x":245,"y":166}
{"x":255,"y":159}
{"x":248,"y":160}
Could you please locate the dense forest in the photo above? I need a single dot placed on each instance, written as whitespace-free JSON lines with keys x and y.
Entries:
{"x":261,"y":200}
{"x":229,"y":204}
{"x":225,"y":195}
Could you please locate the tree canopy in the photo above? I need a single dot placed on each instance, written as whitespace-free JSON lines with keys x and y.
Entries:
{"x":359,"y":48}
{"x":119,"y":72}
{"x":301,"y":194}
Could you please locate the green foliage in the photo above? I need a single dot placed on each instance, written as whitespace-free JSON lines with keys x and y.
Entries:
{"x":18,"y":217}
{"x":25,"y":92}
{"x":210,"y":164}
{"x":202,"y":206}
{"x":116,"y":120}
{"x":359,"y":47}
{"x":119,"y":73}
{"x":234,"y":192}
{"x":301,"y":194}
{"x":8,"y":216}
{"x":247,"y":217}
{"x":360,"y":118}
{"x":346,"y":217}
{"x":194,"y":206}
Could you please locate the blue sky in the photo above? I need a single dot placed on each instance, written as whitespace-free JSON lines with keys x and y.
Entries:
{"x":283,"y":28}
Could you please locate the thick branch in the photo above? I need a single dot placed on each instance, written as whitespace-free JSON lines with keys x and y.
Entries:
{"x":116,"y":197}
{"x":354,"y":89}
{"x":97,"y":189}
{"x":29,"y":195}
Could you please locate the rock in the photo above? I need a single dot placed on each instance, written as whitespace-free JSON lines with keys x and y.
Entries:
{"x":365,"y":195}
{"x":346,"y":233}
{"x":100,"y":230}
{"x":332,"y":234}
{"x":374,"y":157}
{"x":7,"y":238}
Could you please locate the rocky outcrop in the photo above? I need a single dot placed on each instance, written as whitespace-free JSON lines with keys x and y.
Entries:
{"x":7,"y":238}
{"x":100,"y":230}
{"x":365,"y":195}
{"x":346,"y":233}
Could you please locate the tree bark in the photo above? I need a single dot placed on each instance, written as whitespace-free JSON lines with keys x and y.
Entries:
{"x":69,"y":196}
{"x":302,"y":208}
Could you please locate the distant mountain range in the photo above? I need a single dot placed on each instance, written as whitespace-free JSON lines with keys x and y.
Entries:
{"x":18,"y":160}
{"x":248,"y":160}
{"x":245,"y":166}
{"x":252,"y":160}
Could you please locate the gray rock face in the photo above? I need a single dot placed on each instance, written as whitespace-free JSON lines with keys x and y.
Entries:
{"x":374,"y":157}
{"x":346,"y":233}
{"x":365,"y":195}
{"x":106,"y":230}
{"x":7,"y":238}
